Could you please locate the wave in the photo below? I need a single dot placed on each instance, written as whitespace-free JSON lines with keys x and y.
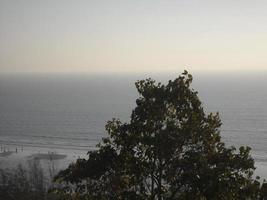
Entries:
{"x":245,"y":131}
{"x":55,"y":137}
{"x":47,"y":145}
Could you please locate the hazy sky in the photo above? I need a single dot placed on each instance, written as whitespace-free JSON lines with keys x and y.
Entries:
{"x":132,"y":35}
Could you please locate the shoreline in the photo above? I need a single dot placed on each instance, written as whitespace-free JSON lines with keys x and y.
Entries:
{"x":63,"y":157}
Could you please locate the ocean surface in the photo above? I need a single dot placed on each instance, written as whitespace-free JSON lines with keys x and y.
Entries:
{"x":68,"y":113}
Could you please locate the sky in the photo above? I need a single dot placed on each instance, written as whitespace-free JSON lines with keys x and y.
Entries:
{"x":88,"y":36}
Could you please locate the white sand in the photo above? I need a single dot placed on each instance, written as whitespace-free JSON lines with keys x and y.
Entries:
{"x":17,"y":155}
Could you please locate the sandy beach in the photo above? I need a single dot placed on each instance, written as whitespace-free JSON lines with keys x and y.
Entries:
{"x":14,"y":156}
{"x":60,"y":159}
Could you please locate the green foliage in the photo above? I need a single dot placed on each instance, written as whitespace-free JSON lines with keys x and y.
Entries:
{"x":170,"y":149}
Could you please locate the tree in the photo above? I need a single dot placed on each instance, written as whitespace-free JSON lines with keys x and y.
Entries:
{"x":170,"y":149}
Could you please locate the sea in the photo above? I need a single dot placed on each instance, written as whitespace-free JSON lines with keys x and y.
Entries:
{"x":66,"y":113}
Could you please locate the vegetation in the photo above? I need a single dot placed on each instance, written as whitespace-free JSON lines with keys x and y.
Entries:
{"x":25,"y":183}
{"x":170,"y":149}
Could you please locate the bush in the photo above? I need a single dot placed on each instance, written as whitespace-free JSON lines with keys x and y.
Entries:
{"x":25,"y":183}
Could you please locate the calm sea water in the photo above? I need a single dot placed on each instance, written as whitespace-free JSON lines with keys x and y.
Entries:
{"x":69,"y":112}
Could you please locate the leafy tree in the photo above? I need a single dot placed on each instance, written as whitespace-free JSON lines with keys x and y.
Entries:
{"x":170,"y":149}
